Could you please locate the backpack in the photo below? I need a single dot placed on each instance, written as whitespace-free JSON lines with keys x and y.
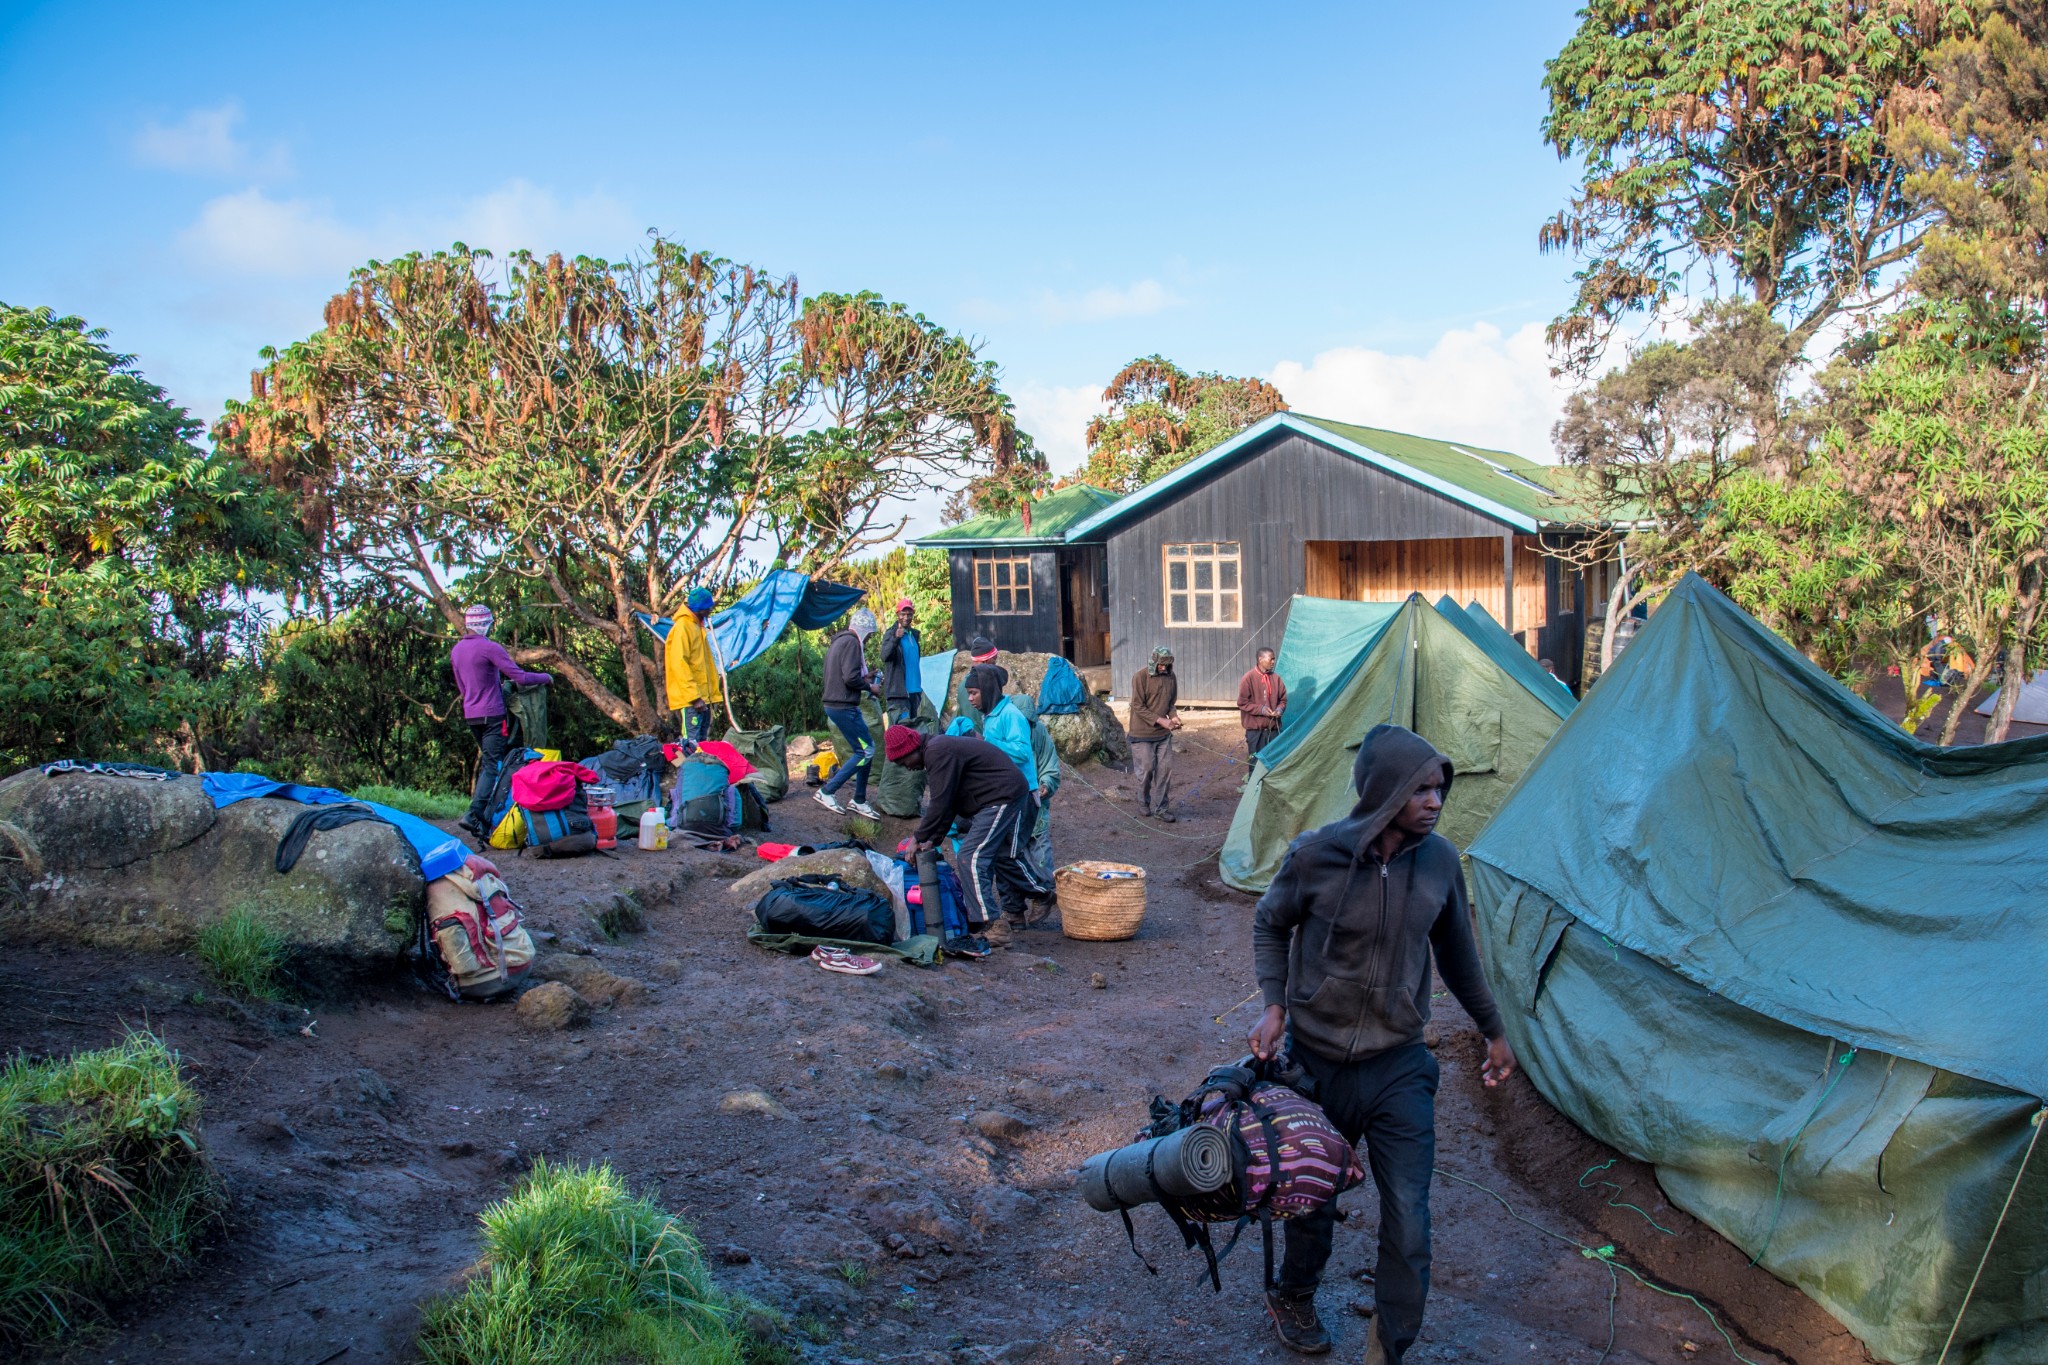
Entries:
{"x":819,"y":906}
{"x":768,"y":751}
{"x":472,"y":942}
{"x":702,"y":803}
{"x":500,"y":802}
{"x":563,"y":833}
{"x":635,"y":769}
{"x":549,"y":784}
{"x":1263,"y":1109}
{"x":951,"y":917}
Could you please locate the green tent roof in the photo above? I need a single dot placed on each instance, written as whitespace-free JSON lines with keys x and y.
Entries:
{"x":1051,"y":517}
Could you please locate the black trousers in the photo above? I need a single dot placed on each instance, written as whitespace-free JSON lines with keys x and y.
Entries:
{"x":1255,"y":740}
{"x":493,"y":741}
{"x":996,"y":872}
{"x":1387,"y":1101}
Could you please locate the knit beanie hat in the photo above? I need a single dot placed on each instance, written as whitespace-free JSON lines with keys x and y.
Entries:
{"x":863,"y":623}
{"x":477,"y":620}
{"x":900,"y":743}
{"x":700,"y":599}
{"x":981,"y":649}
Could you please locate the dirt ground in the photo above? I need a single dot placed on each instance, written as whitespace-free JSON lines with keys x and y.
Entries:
{"x":909,"y":1195}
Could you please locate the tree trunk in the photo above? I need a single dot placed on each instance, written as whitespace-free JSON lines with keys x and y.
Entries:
{"x":583,"y":680}
{"x":2009,"y":694}
{"x":1980,"y":671}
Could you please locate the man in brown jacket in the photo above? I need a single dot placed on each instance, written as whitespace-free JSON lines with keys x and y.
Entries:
{"x":1153,"y":721}
{"x":1261,"y":701}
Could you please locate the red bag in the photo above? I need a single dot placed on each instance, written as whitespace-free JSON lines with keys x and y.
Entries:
{"x":549,"y":785}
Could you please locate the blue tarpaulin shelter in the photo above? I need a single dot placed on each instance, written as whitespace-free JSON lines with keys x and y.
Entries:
{"x":743,"y":631}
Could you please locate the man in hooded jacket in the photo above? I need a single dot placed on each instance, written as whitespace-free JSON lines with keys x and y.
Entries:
{"x":1342,"y":943}
{"x":847,"y":680}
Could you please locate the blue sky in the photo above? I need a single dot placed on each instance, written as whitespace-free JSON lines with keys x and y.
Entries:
{"x":1341,"y":198}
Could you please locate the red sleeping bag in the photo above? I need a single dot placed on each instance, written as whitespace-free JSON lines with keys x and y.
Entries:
{"x":549,"y":785}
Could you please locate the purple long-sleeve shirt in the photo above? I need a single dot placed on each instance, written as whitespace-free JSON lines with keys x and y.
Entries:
{"x":479,"y":663}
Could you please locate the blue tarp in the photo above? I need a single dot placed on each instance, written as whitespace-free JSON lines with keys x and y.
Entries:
{"x":937,"y":673}
{"x":439,"y":853}
{"x":743,"y":631}
{"x":1061,"y":693}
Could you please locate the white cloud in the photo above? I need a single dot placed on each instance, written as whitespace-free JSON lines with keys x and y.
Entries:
{"x":249,"y":233}
{"x":1057,"y":418}
{"x":521,"y":214}
{"x":1139,"y":300}
{"x":205,"y":142}
{"x":1477,"y":384}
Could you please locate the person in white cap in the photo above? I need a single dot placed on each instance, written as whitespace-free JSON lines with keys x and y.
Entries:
{"x":847,"y":680}
{"x":481,"y":666}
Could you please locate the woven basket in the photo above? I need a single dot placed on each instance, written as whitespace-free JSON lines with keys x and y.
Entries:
{"x":1098,"y":909}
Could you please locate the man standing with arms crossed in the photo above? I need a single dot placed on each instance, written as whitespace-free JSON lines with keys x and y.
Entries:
{"x":1342,"y":942}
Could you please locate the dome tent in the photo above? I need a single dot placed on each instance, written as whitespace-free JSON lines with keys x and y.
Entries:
{"x":1745,"y":929}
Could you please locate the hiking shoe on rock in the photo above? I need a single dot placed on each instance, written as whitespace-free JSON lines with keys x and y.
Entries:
{"x":1294,"y":1319}
{"x":863,"y":808}
{"x":828,"y":801}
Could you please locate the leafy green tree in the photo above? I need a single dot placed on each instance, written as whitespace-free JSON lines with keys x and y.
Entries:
{"x":1745,"y":137}
{"x":1161,"y":417}
{"x":126,"y":553}
{"x":613,"y":433}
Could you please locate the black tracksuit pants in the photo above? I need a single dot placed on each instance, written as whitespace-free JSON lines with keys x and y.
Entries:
{"x":1387,"y":1102}
{"x":493,"y":742}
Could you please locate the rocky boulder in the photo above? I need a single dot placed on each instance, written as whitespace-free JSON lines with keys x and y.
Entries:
{"x":850,"y":865}
{"x":123,"y":863}
{"x":1093,"y":735}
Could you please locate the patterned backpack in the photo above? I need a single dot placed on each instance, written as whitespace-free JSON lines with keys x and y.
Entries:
{"x":1265,"y":1109}
{"x":472,"y":944}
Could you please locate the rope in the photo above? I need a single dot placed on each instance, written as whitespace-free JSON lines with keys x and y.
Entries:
{"x":1619,"y":1204}
{"x":1110,"y":801}
{"x":1778,"y":1199}
{"x":1605,"y":1256}
{"x":2039,"y":1116}
{"x":1224,"y":668}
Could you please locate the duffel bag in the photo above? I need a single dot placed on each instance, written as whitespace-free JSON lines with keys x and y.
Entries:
{"x":818,"y":906}
{"x":549,"y":785}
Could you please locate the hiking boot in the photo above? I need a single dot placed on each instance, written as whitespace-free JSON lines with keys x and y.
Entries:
{"x":1294,"y":1319}
{"x":1036,"y":913}
{"x":864,"y":809}
{"x":469,"y":823}
{"x":1163,"y":816}
{"x":999,"y":931}
{"x":829,"y":802}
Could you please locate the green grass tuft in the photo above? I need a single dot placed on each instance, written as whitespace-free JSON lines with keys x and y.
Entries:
{"x":103,"y":1188}
{"x":861,"y":828}
{"x":244,"y":955}
{"x":411,"y":800}
{"x":576,"y":1271}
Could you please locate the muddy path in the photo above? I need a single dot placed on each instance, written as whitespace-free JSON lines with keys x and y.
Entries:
{"x":907,"y":1194}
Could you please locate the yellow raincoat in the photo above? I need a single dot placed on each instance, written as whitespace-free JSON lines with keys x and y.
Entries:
{"x":687,"y":661}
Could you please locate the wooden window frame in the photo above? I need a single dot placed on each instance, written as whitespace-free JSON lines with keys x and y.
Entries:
{"x":1203,"y":598}
{"x":1001,"y":564}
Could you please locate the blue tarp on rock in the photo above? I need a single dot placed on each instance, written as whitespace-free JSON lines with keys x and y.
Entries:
{"x":439,"y":853}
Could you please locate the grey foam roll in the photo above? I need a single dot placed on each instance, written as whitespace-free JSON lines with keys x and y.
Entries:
{"x":1190,"y":1162}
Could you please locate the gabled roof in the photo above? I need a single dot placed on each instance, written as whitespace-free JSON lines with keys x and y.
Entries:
{"x":1052,"y":516}
{"x":1512,"y":490}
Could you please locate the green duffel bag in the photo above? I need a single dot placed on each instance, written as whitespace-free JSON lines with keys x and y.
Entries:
{"x":768,"y":751}
{"x":897,"y":790}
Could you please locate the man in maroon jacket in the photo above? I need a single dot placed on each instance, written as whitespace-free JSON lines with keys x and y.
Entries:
{"x":1261,"y":701}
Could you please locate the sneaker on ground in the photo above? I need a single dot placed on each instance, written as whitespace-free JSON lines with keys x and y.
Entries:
{"x":1295,"y":1321}
{"x":844,"y":962}
{"x":828,"y":801}
{"x":863,"y":808}
{"x":965,"y":945}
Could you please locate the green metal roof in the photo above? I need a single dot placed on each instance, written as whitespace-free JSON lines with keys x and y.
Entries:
{"x":1516,"y":491}
{"x":1052,"y":516}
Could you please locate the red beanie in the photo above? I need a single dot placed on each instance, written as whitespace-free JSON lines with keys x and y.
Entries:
{"x":900,"y":743}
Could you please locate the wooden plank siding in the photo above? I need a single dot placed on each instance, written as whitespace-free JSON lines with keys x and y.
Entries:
{"x":1468,"y":568}
{"x":1273,"y":503}
{"x":1037,"y":633}
{"x":1084,"y":611}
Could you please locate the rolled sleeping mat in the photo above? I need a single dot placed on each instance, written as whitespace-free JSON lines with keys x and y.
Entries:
{"x":1184,"y":1164}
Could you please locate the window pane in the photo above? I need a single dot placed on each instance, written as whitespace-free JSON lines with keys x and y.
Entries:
{"x":1203,"y":549}
{"x":1024,"y":600}
{"x":985,"y":601}
{"x":982,"y":570}
{"x":1177,"y":608}
{"x":1177,"y":577}
{"x":1002,"y":599}
{"x":1205,"y":575}
{"x":1176,"y":549}
{"x":1226,"y":574}
{"x":1226,"y":607}
{"x":1228,"y":547}
{"x":1205,"y":608}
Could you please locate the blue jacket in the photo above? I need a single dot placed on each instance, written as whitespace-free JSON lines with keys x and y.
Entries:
{"x":1007,"y":729}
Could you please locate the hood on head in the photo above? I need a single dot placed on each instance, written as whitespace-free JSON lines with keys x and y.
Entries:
{"x":988,"y":680}
{"x":1392,"y":761}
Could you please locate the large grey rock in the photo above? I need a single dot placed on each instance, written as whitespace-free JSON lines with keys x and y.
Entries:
{"x":146,"y":865}
{"x":850,"y":865}
{"x":1094,"y":735}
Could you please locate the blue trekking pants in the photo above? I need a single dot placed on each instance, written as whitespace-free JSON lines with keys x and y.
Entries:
{"x":850,"y":723}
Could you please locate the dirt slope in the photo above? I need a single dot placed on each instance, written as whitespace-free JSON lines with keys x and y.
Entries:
{"x":911,"y":1200}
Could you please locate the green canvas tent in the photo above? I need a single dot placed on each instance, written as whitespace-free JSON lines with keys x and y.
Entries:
{"x":1746,"y":929}
{"x":1352,"y":665}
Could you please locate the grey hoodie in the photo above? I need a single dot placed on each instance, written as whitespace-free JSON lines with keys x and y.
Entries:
{"x":1342,"y":941}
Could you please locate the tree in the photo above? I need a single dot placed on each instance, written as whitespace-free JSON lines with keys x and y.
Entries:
{"x":1946,"y":444}
{"x":1162,"y":417}
{"x":1653,"y":444}
{"x":1746,"y":136}
{"x":614,"y":432}
{"x":126,"y":553}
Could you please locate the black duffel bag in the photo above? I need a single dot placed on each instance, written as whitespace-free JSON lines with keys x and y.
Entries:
{"x":818,"y":906}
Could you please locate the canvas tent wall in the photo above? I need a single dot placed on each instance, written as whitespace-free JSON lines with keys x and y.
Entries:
{"x":2030,"y":707}
{"x":1419,"y":667}
{"x":1744,"y":928}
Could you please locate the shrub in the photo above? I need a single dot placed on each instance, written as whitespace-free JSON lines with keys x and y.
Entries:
{"x":426,"y":805}
{"x":576,"y":1271}
{"x":103,"y":1187}
{"x":244,"y":955}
